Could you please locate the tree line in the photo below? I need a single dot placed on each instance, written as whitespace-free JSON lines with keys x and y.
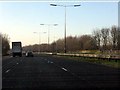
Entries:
{"x":100,"y":39}
{"x":107,"y":38}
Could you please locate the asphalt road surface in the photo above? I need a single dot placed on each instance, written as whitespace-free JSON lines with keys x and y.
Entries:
{"x":49,"y":72}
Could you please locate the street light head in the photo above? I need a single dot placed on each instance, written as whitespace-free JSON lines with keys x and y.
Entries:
{"x":53,"y":4}
{"x":77,"y":5}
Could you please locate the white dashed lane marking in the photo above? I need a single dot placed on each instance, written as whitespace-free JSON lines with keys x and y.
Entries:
{"x":65,"y":69}
{"x":7,"y":71}
{"x":51,"y":62}
{"x":11,"y":68}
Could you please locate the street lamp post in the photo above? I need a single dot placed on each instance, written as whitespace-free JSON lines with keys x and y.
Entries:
{"x":38,"y":41}
{"x":39,"y":47}
{"x":49,"y":32}
{"x":65,"y":6}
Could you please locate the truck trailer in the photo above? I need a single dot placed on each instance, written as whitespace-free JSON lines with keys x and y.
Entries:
{"x":16,"y":49}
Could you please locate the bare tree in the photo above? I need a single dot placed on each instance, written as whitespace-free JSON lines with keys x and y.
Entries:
{"x":87,"y":42}
{"x":60,"y":45}
{"x":118,"y":38}
{"x":72,"y":43}
{"x":114,"y":36}
{"x":5,"y":44}
{"x":97,"y":37}
{"x":53,"y":47}
{"x":105,"y":36}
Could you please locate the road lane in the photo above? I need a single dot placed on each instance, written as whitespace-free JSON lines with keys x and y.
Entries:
{"x":48,"y":72}
{"x":9,"y":63}
{"x":99,"y":75}
{"x":37,"y":72}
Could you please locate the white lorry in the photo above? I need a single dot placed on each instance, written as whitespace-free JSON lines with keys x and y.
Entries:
{"x":16,"y":49}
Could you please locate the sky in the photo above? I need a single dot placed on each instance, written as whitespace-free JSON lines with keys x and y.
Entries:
{"x":21,"y":19}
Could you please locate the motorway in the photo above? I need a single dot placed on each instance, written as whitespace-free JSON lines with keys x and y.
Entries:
{"x":49,"y":72}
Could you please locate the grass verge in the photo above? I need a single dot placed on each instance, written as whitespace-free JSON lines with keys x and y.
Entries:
{"x":106,"y":62}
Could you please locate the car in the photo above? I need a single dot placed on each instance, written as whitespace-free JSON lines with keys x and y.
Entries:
{"x":29,"y":54}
